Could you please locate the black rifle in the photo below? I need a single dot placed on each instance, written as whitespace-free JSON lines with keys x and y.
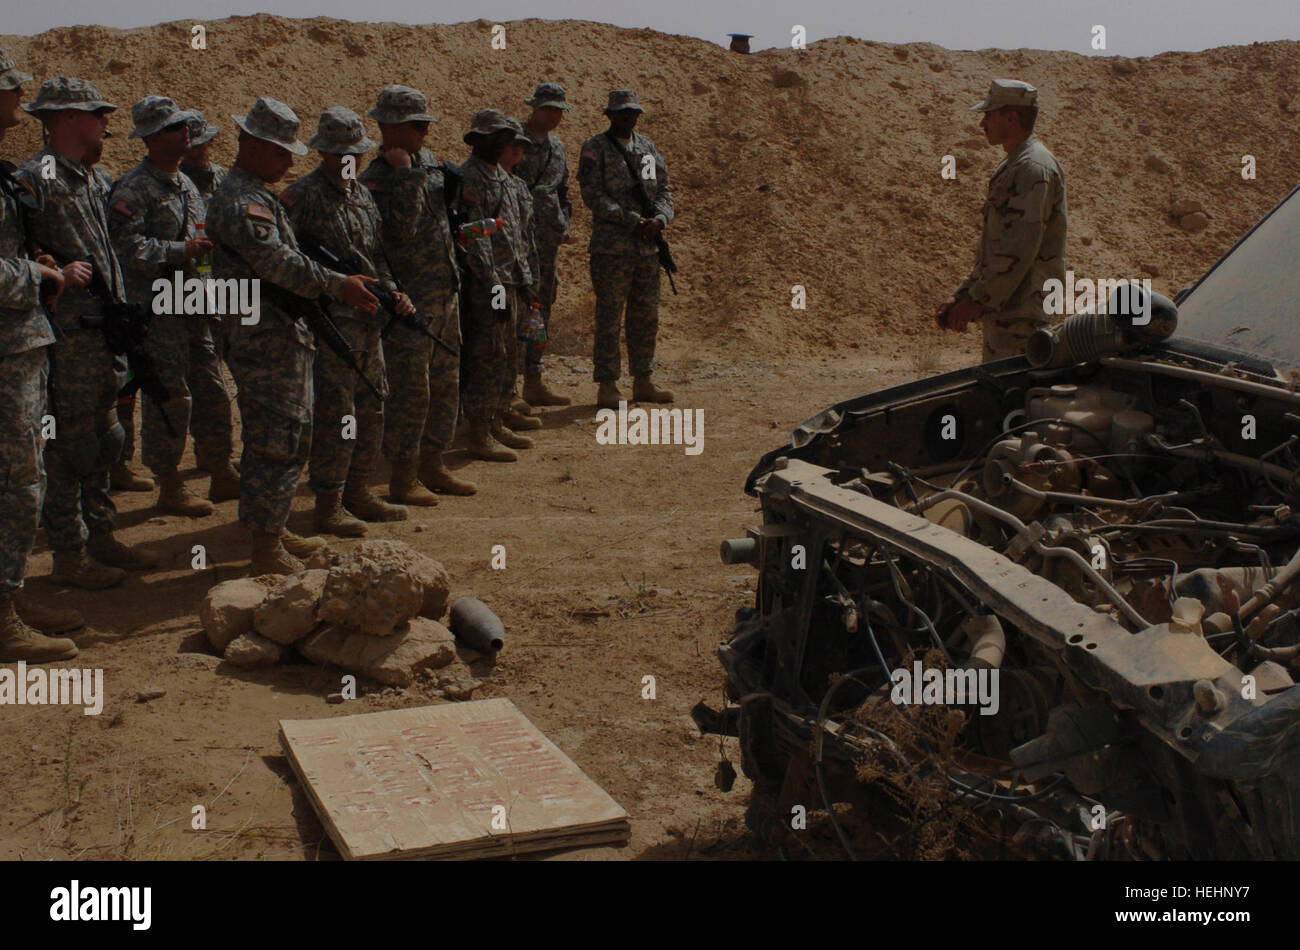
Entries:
{"x":647,"y":211}
{"x":354,"y":265}
{"x":125,"y":327}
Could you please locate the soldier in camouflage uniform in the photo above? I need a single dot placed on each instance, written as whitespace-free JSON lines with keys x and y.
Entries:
{"x":211,"y":418}
{"x":153,"y":213}
{"x":332,"y":209}
{"x":624,"y":259}
{"x":495,"y":265}
{"x":271,"y":356}
{"x":1023,"y":241}
{"x":545,"y":170}
{"x":423,"y":376}
{"x":65,"y":217}
{"x":515,"y":412}
{"x":25,"y":333}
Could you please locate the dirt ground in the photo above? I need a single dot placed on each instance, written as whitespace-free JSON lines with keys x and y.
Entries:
{"x":612,"y":573}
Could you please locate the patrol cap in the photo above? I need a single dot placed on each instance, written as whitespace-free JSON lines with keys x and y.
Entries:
{"x":11,"y":77}
{"x":621,"y":100}
{"x":485,"y":122}
{"x":272,"y":121}
{"x":520,"y":134}
{"x":155,"y":113}
{"x":1007,"y":92}
{"x":548,"y":94}
{"x":65,"y":92}
{"x":340,"y":132}
{"x":200,"y":132}
{"x":401,"y":104}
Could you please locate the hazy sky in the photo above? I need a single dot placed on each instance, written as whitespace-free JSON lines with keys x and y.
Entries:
{"x":1133,"y":27}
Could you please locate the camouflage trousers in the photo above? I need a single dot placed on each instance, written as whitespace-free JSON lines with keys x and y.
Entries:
{"x":186,"y":360}
{"x":515,"y":348}
{"x":340,"y":446}
{"x":275,"y":450}
{"x":1006,"y":336}
{"x":485,"y":354}
{"x":424,"y":385}
{"x":126,"y":417}
{"x":83,"y":385}
{"x":22,"y":467}
{"x":620,"y":282}
{"x":548,"y":285}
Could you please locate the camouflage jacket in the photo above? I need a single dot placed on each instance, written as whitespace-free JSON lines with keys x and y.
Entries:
{"x":65,"y":217}
{"x":103,"y":183}
{"x":545,"y":169}
{"x":345,"y":221}
{"x":609,"y":190}
{"x":1023,"y":240}
{"x":150,"y":217}
{"x":530,"y":269}
{"x":23,"y":324}
{"x":206,"y":180}
{"x":252,"y":238}
{"x":486,"y":191}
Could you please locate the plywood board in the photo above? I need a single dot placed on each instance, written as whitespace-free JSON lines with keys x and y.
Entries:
{"x":429,"y":782}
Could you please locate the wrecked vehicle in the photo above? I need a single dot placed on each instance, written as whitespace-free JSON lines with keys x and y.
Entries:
{"x":1111,"y":522}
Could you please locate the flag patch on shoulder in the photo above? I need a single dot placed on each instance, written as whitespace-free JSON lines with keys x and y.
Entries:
{"x":260,"y":211}
{"x":122,"y":206}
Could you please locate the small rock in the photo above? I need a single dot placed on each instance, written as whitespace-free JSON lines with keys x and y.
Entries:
{"x":252,"y":649}
{"x":901,"y":53}
{"x":227,"y":610}
{"x":786,"y":79}
{"x":1124,"y":66}
{"x":1185,"y":206}
{"x":1151,"y":270}
{"x":1194,"y":221}
{"x":289,"y":613}
{"x":150,"y":692}
{"x":1085,"y":239}
{"x":1155,"y":163}
{"x":394,"y":661}
{"x":334,"y":698}
{"x":459,"y":689}
{"x":900,"y":84}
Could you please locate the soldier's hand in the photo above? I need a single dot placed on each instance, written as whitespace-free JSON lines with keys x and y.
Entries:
{"x":397,"y":157}
{"x":356,"y":295}
{"x":51,"y":282}
{"x":197,"y":247}
{"x":78,"y":273}
{"x":961,"y":314}
{"x":941,"y":314}
{"x":404,"y":306}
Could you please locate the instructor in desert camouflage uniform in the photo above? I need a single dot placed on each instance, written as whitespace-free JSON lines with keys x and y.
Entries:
{"x":337,"y":213}
{"x":545,"y":170}
{"x":624,"y":259}
{"x":65,"y":217}
{"x":153,"y":213}
{"x":1023,"y":241}
{"x":408,"y":186}
{"x":25,"y":333}
{"x":271,"y":357}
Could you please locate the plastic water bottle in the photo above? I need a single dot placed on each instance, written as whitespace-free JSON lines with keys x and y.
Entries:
{"x":203,"y":265}
{"x":483,"y":227}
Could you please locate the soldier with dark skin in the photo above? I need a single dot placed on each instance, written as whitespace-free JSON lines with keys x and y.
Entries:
{"x":66,"y":218}
{"x":25,"y":335}
{"x":271,"y":355}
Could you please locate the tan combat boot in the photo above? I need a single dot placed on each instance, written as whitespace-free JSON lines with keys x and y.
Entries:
{"x":644,"y":390}
{"x":301,"y":547}
{"x":76,"y":568}
{"x":508,"y":438}
{"x":608,"y":396}
{"x":106,"y":549}
{"x":270,"y":557}
{"x":522,"y":407}
{"x":225,"y":482}
{"x":330,"y":518}
{"x":405,"y":488}
{"x":436,"y":477}
{"x":520,"y":422}
{"x":175,"y":499}
{"x":125,"y":478}
{"x":360,"y":499}
{"x":481,"y":445}
{"x":46,"y":619}
{"x":539,"y":394}
{"x":20,"y":642}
